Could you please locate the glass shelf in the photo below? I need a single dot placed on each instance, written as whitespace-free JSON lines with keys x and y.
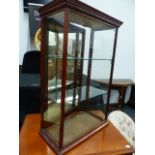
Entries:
{"x":52,"y":86}
{"x":77,"y":58}
{"x":94,"y":92}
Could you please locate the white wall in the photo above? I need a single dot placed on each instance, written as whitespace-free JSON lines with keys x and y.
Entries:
{"x":23,"y":32}
{"x":125,"y":54}
{"x":120,"y":9}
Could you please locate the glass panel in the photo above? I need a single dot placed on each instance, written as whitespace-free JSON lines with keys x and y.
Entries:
{"x":51,"y":116}
{"x":103,"y":44}
{"x":87,"y":21}
{"x":73,"y":67}
{"x":87,"y":114}
{"x":89,"y":58}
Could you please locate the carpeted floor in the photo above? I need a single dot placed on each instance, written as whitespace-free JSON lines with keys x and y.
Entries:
{"x":129,"y":111}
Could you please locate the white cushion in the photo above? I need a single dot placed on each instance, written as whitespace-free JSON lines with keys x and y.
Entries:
{"x":124,"y":124}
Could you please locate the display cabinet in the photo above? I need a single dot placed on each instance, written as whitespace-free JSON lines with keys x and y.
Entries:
{"x":78,"y":45}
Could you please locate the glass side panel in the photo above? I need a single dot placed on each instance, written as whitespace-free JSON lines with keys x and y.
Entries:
{"x":103,"y":44}
{"x":85,"y":110}
{"x":73,"y":66}
{"x":70,"y":71}
{"x":52,"y":112}
{"x":90,"y":50}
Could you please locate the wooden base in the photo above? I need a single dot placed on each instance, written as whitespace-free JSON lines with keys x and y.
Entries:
{"x":61,"y":151}
{"x":106,"y":141}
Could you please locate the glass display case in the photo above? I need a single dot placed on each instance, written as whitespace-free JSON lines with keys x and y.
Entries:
{"x":78,"y":47}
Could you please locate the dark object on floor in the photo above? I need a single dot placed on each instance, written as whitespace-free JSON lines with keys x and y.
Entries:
{"x":132,"y":97}
{"x":29,"y":85}
{"x":129,"y":111}
{"x":129,"y":108}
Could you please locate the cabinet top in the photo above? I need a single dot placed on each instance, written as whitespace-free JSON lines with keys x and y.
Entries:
{"x":80,"y":7}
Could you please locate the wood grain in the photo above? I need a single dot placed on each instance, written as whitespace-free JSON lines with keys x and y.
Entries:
{"x":117,"y":82}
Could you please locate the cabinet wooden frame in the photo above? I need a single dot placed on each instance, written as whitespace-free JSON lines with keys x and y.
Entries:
{"x":66,"y":6}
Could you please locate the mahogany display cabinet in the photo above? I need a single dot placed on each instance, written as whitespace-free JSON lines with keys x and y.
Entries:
{"x":78,"y":45}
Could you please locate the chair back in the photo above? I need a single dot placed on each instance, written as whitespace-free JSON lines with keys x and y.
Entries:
{"x":31,"y":62}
